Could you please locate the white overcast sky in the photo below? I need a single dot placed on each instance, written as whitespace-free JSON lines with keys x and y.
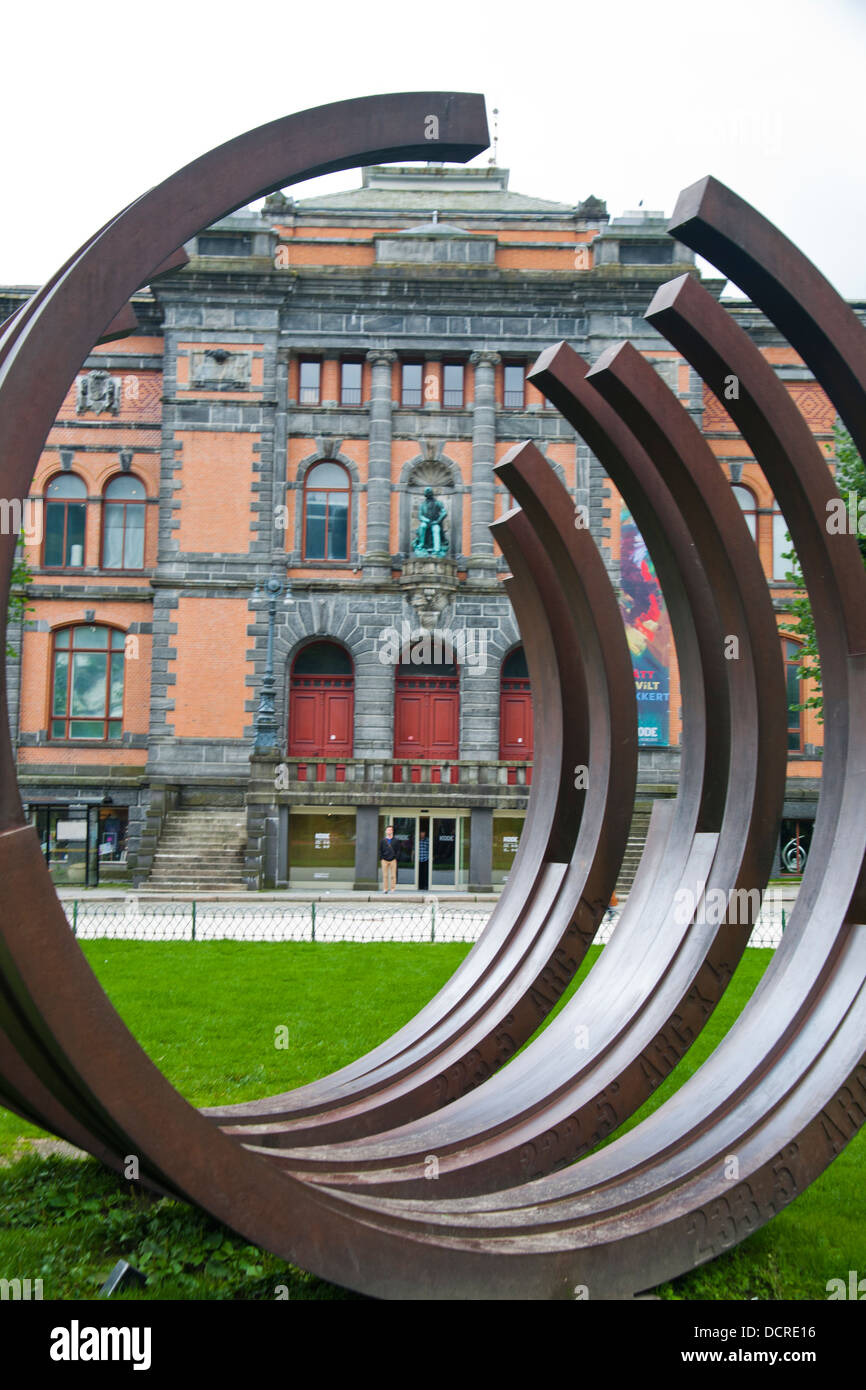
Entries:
{"x":629,"y":100}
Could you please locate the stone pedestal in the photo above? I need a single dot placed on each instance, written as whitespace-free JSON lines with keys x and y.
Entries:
{"x":430,"y":585}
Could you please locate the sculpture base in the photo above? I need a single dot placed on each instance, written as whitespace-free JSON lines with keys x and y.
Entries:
{"x":430,"y":585}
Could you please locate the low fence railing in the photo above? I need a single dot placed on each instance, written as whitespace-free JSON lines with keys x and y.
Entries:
{"x":136,"y":919}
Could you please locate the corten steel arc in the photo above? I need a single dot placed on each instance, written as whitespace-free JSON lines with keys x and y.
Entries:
{"x":785,"y":1090}
{"x":462,"y":1037}
{"x":656,"y":984}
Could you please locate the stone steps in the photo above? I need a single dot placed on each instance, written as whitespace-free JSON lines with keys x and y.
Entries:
{"x":634,"y":849}
{"x":200,"y":851}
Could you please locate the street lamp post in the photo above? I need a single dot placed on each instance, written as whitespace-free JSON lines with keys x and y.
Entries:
{"x":266,"y":718}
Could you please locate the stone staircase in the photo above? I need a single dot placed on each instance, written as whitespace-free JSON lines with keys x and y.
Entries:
{"x":634,"y":849}
{"x":200,"y":851}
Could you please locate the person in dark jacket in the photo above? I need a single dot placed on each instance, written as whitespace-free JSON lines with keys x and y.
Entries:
{"x":388,"y":855}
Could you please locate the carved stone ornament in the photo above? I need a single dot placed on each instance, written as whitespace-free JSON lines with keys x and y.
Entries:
{"x":430,"y":585}
{"x":97,"y":391}
{"x":218,"y":369}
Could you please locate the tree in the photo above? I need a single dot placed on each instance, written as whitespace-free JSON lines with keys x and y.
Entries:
{"x":18,"y":605}
{"x":851,"y":482}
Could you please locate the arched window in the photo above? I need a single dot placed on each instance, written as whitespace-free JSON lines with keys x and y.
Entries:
{"x":781,"y":543}
{"x":327,"y":498}
{"x":123,"y":524}
{"x":321,"y":702}
{"x":65,"y":519}
{"x":749,"y":506}
{"x":516,"y":735}
{"x":794,"y":688}
{"x":87,"y":683}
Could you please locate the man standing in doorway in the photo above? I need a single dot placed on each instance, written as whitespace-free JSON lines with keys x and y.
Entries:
{"x":388,"y":855}
{"x":423,"y":860}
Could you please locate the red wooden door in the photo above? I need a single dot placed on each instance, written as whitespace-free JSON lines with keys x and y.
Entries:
{"x":321,"y":716}
{"x":516,"y":733}
{"x":426,"y":716}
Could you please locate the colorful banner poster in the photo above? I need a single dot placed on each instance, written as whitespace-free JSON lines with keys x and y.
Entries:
{"x":648,"y":631}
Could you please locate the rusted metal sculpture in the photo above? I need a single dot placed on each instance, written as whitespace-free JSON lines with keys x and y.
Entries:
{"x":332,"y":1175}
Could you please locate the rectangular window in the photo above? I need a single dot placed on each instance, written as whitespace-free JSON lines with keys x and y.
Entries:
{"x":514,"y":386}
{"x":350,"y":383}
{"x":656,"y":253}
{"x":123,"y":540}
{"x":327,"y":527}
{"x":87,"y":693}
{"x":795,"y":698}
{"x":225,"y":244}
{"x":322,"y":848}
{"x":413,"y":383}
{"x":310,"y":387}
{"x":452,"y":385}
{"x":64,"y":535}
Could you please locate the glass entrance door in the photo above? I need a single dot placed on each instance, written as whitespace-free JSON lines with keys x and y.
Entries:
{"x":444,"y":851}
{"x":432,"y":851}
{"x":405,"y":843}
{"x":68,"y":836}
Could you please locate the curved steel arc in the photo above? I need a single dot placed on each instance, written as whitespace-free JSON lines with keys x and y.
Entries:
{"x":522,"y":989}
{"x":720,"y":225}
{"x":524,"y":904}
{"x":48,"y":340}
{"x":787,"y":1088}
{"x":65,"y":323}
{"x":649,"y":995}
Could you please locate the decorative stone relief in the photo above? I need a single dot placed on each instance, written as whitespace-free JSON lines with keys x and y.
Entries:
{"x":97,"y":391}
{"x":217,"y":369}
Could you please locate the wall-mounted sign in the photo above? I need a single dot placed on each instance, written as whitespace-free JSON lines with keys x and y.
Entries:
{"x":510,"y":843}
{"x":71,"y":830}
{"x":323,"y":839}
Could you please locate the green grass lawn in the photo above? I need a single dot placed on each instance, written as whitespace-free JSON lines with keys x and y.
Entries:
{"x":208,"y":1014}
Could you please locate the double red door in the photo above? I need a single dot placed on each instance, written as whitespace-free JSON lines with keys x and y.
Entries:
{"x":516,"y":734}
{"x":321,"y":716}
{"x":426,"y":716}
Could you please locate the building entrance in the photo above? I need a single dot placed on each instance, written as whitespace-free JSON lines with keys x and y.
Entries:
{"x":432,"y":849}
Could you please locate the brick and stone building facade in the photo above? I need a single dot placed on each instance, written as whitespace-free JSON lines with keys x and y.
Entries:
{"x":288,"y":398}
